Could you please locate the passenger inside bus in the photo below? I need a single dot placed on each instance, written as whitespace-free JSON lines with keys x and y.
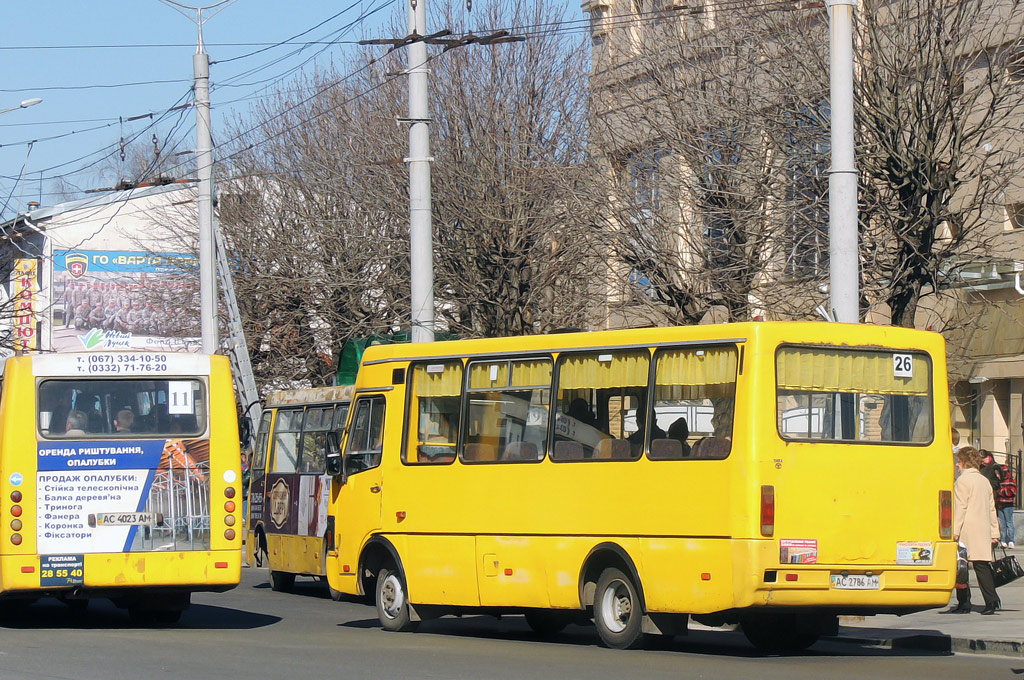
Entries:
{"x":76,"y":424}
{"x":636,"y":440}
{"x":580,"y":410}
{"x":124,"y":420}
{"x":680,"y":431}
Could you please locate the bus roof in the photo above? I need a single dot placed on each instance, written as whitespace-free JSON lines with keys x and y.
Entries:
{"x":313,"y":395}
{"x":810,"y":332}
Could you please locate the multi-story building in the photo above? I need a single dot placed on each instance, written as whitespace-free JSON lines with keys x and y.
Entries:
{"x":710,"y":123}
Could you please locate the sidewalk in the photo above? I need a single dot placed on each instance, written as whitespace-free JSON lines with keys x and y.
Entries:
{"x":935,"y":630}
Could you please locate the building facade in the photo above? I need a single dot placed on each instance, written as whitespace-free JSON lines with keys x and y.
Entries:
{"x":710,"y":123}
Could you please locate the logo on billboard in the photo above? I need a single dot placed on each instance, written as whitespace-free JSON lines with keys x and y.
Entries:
{"x":97,"y":339}
{"x":280,"y":503}
{"x":76,"y":264}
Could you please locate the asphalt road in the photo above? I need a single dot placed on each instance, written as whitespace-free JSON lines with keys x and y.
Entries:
{"x":254,"y":633}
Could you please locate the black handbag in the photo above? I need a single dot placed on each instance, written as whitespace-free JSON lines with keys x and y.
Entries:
{"x":1006,"y":569}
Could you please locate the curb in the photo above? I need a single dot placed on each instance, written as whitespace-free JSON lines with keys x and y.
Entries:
{"x":938,"y":643}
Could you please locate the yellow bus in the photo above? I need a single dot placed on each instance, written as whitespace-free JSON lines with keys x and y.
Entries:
{"x":119,"y":478}
{"x":776,"y":475}
{"x":289,"y":490}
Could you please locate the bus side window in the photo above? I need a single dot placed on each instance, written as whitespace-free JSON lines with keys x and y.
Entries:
{"x":434,"y":413}
{"x":366,"y":436}
{"x":694,"y":397}
{"x":507,"y":419}
{"x":611,"y":382}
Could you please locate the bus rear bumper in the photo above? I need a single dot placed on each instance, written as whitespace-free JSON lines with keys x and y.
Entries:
{"x":111,"y":574}
{"x":855,"y":588}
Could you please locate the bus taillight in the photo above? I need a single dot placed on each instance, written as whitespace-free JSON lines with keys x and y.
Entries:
{"x":946,"y":514}
{"x":767,"y":510}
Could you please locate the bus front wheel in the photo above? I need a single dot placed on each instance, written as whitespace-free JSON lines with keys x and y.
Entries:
{"x":617,"y":610}
{"x":781,"y":633}
{"x":392,"y":600}
{"x":281,"y":581}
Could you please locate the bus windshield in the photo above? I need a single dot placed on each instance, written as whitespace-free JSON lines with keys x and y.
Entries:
{"x":101,"y":409}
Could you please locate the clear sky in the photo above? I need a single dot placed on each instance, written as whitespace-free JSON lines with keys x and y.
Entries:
{"x":97,"y":64}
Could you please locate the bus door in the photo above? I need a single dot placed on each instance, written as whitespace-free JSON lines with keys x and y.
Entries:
{"x":258,"y":486}
{"x":359,"y":498}
{"x":281,"y":492}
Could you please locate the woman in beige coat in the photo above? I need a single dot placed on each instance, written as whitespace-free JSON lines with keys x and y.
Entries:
{"x":975,"y":524}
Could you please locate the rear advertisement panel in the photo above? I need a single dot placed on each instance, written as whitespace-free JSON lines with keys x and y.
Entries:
{"x":123,"y":496}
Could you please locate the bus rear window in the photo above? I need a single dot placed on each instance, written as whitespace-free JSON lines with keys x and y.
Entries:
{"x":854,"y":395}
{"x":101,"y":409}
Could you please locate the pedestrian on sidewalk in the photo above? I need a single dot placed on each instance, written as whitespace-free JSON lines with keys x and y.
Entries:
{"x":1005,"y":499}
{"x":975,"y":525}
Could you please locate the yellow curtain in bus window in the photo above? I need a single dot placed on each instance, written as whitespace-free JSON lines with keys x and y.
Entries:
{"x":852,"y":370}
{"x":25,"y":286}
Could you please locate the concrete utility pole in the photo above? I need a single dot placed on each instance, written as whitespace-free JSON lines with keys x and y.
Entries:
{"x":844,"y":260}
{"x":421,"y":234}
{"x":421,"y":230}
{"x":204,"y":169}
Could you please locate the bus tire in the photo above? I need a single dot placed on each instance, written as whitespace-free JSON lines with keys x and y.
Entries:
{"x":142,"y":616}
{"x":392,"y":600}
{"x":281,"y":581}
{"x":618,"y":614}
{"x":781,"y":633}
{"x":546,"y":623}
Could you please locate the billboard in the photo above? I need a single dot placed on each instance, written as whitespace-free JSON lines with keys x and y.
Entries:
{"x":124,"y":299}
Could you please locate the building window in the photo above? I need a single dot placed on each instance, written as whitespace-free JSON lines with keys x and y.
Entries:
{"x":1015,"y":215}
{"x":807,"y":148}
{"x":1015,"y":67}
{"x":644,"y":169}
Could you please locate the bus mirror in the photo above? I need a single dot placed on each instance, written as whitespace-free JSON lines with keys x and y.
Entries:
{"x":335,"y":463}
{"x":244,"y":430}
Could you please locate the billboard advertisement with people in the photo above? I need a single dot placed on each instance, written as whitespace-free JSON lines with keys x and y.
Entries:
{"x":112,"y":299}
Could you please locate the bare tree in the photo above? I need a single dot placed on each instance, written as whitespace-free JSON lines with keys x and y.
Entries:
{"x":317,"y":262}
{"x":513,"y":251}
{"x":316,"y":210}
{"x":714,"y":145}
{"x":939,"y":116}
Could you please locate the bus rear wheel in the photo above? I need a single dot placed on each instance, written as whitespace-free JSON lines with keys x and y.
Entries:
{"x":781,"y":633}
{"x":617,"y":611}
{"x":547,"y":623}
{"x":153,"y":617}
{"x":392,"y":601}
{"x":281,"y":581}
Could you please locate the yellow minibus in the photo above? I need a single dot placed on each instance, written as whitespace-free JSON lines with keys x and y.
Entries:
{"x":774,"y":475}
{"x":289,"y":490}
{"x":119,"y":478}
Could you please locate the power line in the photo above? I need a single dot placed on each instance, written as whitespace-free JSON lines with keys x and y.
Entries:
{"x":285,"y":41}
{"x":105,"y":86}
{"x":339,"y":32}
{"x":113,"y":145}
{"x":134,"y":46}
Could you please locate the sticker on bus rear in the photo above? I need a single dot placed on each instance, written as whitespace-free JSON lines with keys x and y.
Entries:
{"x":914,"y":552}
{"x":61,"y":570}
{"x":798,"y":551}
